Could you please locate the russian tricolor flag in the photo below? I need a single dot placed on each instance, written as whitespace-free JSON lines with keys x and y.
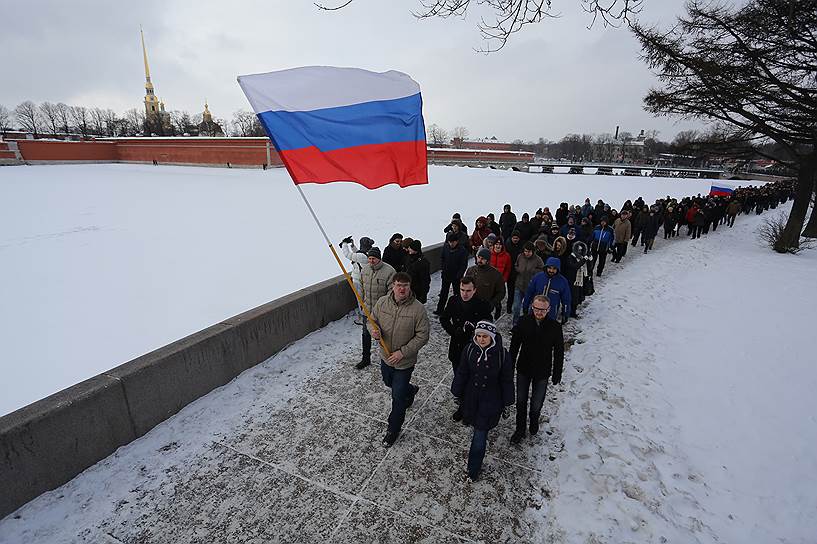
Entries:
{"x":721,"y":189}
{"x":343,"y":124}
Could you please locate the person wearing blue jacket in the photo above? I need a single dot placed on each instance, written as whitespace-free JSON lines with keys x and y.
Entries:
{"x":553,"y":285}
{"x":603,"y":240}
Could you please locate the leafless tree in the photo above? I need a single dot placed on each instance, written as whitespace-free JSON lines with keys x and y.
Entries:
{"x":113,"y":124}
{"x":98,"y":125}
{"x":437,"y":135}
{"x":243,"y":121}
{"x":499,"y":19}
{"x":28,"y":117}
{"x":64,"y":116}
{"x":752,"y":68}
{"x":603,"y":147}
{"x":135,"y":121}
{"x":81,"y":119}
{"x":458,"y":136}
{"x":51,"y":116}
{"x":5,"y":119}
{"x":181,"y":121}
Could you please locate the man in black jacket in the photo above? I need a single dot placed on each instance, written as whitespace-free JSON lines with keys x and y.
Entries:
{"x":507,"y":221}
{"x":453,"y":262}
{"x":459,"y":319}
{"x":394,"y":254}
{"x":418,"y":267}
{"x":539,"y":344}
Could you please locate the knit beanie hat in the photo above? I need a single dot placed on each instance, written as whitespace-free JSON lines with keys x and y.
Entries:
{"x":374,"y":252}
{"x":486,"y":327}
{"x":416,"y":245}
{"x":451,"y":236}
{"x":485,"y":253}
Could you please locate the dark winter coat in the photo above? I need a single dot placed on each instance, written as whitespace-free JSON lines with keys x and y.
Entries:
{"x":650,"y":230}
{"x":484,"y":384}
{"x":489,"y":283}
{"x":525,"y":229}
{"x":394,"y":256}
{"x":514,"y":250}
{"x":453,"y":262}
{"x":561,"y":216}
{"x":700,"y":218}
{"x":459,"y":320}
{"x":570,"y":267}
{"x":507,"y":221}
{"x":538,"y":348}
{"x":418,"y":267}
{"x":556,"y":288}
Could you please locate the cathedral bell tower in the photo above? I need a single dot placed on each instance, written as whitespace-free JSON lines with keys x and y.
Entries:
{"x":152,"y":104}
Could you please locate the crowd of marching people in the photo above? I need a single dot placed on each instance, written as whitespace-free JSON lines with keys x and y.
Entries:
{"x":539,"y":269}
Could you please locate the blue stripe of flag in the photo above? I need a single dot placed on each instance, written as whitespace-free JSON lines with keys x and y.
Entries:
{"x":379,"y":122}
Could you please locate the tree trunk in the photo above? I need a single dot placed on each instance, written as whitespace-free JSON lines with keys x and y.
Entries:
{"x":811,"y":228}
{"x":802,"y":198}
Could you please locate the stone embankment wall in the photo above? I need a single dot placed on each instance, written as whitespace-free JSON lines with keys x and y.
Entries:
{"x":47,"y":443}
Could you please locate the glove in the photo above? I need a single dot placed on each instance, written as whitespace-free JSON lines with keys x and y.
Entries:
{"x":506,"y":413}
{"x":347,"y":240}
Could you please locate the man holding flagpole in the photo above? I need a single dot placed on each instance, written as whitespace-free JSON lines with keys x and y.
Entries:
{"x":333,"y":124}
{"x":402,"y":323}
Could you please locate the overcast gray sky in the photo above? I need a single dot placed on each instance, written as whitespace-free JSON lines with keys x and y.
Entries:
{"x":552,"y":78}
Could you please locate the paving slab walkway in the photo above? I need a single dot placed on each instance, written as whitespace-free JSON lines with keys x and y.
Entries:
{"x":252,"y":463}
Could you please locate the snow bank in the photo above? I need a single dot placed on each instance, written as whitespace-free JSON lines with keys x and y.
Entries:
{"x":103,"y":263}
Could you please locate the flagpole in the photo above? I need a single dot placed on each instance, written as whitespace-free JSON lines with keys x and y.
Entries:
{"x":386,"y":349}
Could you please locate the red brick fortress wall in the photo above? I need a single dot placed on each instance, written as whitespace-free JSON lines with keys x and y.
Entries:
{"x":59,"y":151}
{"x":243,"y":152}
{"x":239,"y":152}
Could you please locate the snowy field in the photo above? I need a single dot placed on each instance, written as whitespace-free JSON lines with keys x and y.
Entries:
{"x":103,"y":263}
{"x":685,"y":415}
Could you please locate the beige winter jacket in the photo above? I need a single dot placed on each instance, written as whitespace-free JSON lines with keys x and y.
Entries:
{"x":623,"y":230}
{"x":375,"y":282}
{"x":404,"y":327}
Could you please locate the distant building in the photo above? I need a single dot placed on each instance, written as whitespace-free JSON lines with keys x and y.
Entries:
{"x":157,"y":120}
{"x":208,"y":127}
{"x":484,"y":143}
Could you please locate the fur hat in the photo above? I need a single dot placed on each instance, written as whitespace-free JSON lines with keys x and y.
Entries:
{"x":374,"y":252}
{"x":485,"y":253}
{"x":366,"y":244}
{"x":486,"y":327}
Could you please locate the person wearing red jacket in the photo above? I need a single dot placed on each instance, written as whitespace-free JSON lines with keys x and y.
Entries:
{"x":481,"y":231}
{"x":501,"y":260}
{"x":691,"y":217}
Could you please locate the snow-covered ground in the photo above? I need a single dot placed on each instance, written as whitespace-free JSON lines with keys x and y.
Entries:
{"x":686,"y":414}
{"x":103,"y":263}
{"x":691,"y":413}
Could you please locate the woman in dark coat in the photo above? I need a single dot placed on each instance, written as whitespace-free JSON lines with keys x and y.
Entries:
{"x":484,"y":386}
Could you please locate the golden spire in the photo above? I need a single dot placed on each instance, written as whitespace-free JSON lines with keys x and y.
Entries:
{"x":148,"y":84}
